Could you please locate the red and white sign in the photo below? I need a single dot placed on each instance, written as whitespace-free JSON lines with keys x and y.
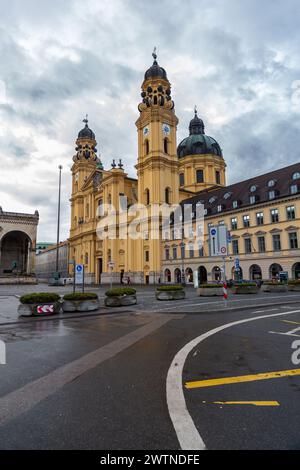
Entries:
{"x":45,"y":309}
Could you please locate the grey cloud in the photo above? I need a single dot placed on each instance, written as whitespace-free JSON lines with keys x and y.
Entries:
{"x":239,"y":60}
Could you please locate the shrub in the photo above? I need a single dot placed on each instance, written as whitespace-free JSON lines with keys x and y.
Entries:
{"x":168,"y":288}
{"x":81,"y":296}
{"x":273,"y":283}
{"x":210,"y":286}
{"x":294,"y":282}
{"x":116,"y":291}
{"x":245,"y":284}
{"x":39,"y":298}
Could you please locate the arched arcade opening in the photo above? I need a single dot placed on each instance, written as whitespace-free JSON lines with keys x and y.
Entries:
{"x":15,"y":253}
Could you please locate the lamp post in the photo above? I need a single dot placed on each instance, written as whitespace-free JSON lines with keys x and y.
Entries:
{"x":58,"y":220}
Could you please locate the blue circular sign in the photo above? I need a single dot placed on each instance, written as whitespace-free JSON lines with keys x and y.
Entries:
{"x":214,"y":232}
{"x":79,"y":268}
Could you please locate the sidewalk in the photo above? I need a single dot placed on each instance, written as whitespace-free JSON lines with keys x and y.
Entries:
{"x":147,"y":303}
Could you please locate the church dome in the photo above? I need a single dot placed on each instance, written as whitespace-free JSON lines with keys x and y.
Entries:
{"x":155,"y":71}
{"x":197,"y":143}
{"x":86,"y":132}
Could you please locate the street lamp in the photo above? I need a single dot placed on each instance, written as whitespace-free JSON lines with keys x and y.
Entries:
{"x":58,"y":221}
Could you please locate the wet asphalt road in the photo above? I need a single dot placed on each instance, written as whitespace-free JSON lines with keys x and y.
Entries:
{"x":100,"y":382}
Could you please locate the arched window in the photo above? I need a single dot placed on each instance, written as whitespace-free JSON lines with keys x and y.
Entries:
{"x":274,"y":271}
{"x":177,"y":275}
{"x":255,"y":272}
{"x":147,"y":146}
{"x":147,"y":197}
{"x":167,"y":275}
{"x":189,"y":275}
{"x":181,"y":179}
{"x":166,"y":145}
{"x":167,"y":195}
{"x":216,"y":274}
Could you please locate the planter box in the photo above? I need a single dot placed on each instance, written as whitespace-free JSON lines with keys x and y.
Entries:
{"x":245,"y":290}
{"x":210,"y":291}
{"x":80,"y":305}
{"x":39,"y":310}
{"x":274,"y":288}
{"x":170,"y":295}
{"x":294,"y":288}
{"x":120,"y":300}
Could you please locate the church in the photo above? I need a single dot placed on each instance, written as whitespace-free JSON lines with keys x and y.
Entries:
{"x":261,"y":213}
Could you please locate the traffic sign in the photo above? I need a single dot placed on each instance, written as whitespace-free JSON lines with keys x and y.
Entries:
{"x":79,"y":273}
{"x":218,"y":240}
{"x":45,"y":309}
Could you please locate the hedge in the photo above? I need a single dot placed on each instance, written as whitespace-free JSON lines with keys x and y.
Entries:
{"x":168,"y":288}
{"x":81,"y":296}
{"x":295,"y":282}
{"x":39,"y":298}
{"x":116,"y":291}
{"x":245,"y":284}
{"x":271,"y":283}
{"x":210,"y":286}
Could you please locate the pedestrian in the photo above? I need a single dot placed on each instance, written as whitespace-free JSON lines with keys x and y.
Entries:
{"x":128,"y":280}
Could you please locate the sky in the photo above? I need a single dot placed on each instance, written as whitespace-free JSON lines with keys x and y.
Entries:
{"x":237,"y":60}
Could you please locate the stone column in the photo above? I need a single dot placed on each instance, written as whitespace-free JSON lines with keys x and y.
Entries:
{"x":29,"y":256}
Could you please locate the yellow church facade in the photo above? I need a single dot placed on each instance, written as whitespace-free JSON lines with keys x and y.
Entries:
{"x":167,"y":174}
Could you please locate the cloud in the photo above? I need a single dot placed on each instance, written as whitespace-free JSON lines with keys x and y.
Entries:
{"x":236,"y":60}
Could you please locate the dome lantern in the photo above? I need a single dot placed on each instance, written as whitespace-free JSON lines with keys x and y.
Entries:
{"x":196,"y":124}
{"x":155,"y":71}
{"x":86,"y":132}
{"x":198,"y":143}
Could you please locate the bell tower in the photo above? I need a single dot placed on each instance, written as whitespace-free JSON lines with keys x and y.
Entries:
{"x":157,"y":166}
{"x":85,"y":162}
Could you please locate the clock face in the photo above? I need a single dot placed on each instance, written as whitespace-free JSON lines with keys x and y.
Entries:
{"x":146,"y":131}
{"x":166,"y":129}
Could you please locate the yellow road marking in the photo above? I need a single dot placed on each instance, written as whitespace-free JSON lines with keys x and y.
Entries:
{"x":255,"y":403}
{"x":242,"y":378}
{"x":292,"y":322}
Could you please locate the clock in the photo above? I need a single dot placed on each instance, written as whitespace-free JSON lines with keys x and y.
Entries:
{"x":166,"y":129}
{"x":146,"y":131}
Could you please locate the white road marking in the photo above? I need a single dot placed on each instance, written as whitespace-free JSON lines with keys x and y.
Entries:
{"x":283,"y":334}
{"x":221,"y":302}
{"x":293,"y":331}
{"x":186,"y":431}
{"x":287,"y":333}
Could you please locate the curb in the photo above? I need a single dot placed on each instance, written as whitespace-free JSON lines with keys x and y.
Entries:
{"x":59,"y":317}
{"x":228,"y":309}
{"x":107,"y":312}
